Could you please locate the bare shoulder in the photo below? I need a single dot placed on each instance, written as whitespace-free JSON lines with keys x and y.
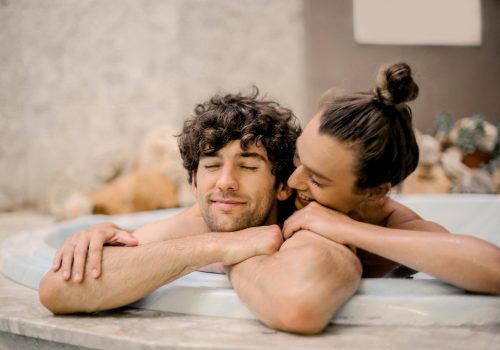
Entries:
{"x":398,"y":213}
{"x":186,"y":223}
{"x":402,"y":217}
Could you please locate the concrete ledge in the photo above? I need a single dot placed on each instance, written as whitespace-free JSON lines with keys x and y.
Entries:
{"x":26,"y":324}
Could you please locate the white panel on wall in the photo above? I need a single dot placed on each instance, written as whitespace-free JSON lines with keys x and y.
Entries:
{"x":418,"y":22}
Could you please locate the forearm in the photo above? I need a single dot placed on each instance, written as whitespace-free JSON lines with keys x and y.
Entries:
{"x":300,"y":287}
{"x":128,"y":274}
{"x":180,"y":226}
{"x":464,"y":261}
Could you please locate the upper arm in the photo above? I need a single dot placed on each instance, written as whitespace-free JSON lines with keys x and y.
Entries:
{"x":177,"y":226}
{"x":325,"y":256}
{"x":306,"y":238}
{"x":301,"y":286}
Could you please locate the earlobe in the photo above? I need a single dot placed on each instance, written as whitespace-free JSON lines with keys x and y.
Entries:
{"x":284,"y":192}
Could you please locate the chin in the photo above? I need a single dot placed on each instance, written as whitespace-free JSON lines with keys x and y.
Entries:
{"x":226,"y":227}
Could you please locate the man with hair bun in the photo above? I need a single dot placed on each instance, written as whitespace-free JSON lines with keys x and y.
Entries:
{"x":356,"y":148}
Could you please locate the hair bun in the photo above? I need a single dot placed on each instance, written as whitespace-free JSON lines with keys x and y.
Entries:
{"x":395,"y":84}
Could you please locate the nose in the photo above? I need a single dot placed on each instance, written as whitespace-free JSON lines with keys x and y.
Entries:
{"x":297,"y":179}
{"x":227,"y":180}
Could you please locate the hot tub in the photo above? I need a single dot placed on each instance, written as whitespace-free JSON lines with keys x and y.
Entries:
{"x":26,"y":256}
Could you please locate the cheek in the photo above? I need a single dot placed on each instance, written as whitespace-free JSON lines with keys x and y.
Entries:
{"x":328,"y":198}
{"x":263,"y":190}
{"x":203,"y":182}
{"x":318,"y":194}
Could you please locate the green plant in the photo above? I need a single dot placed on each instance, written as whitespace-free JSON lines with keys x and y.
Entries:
{"x":468,"y":136}
{"x":444,"y":123}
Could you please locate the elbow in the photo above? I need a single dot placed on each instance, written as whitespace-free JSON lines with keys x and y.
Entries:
{"x":495,"y":284}
{"x":304,"y":315}
{"x":49,"y":294}
{"x":302,"y":319}
{"x":59,"y":296}
{"x":485,"y":289}
{"x":495,"y":289}
{"x":308,"y":308}
{"x":488,"y":286}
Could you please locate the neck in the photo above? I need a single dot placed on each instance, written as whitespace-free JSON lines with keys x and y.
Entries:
{"x":272,"y":217}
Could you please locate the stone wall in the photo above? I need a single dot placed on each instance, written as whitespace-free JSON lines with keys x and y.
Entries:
{"x":82,"y":82}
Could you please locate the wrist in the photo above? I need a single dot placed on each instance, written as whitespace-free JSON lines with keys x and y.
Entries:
{"x":214,"y":246}
{"x":354,"y":234}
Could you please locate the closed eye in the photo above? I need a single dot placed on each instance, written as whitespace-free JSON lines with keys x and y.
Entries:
{"x":314,"y":182}
{"x":211,"y":166}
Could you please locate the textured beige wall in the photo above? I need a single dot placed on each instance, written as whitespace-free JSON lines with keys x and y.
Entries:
{"x":81,"y":82}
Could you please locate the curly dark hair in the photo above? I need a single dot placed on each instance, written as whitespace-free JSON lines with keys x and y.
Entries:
{"x":225,"y":118}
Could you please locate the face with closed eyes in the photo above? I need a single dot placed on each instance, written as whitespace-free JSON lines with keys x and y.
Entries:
{"x":235,"y":188}
{"x":325,"y":171}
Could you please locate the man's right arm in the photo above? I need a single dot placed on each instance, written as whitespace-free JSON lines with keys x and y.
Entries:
{"x":130,"y":273}
{"x":85,"y":247}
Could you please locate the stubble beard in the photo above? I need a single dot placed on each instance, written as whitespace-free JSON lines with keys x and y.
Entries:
{"x":218,"y":222}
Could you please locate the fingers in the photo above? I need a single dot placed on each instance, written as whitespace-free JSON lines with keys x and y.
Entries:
{"x":56,"y":262}
{"x":67,"y":259}
{"x":85,"y":247}
{"x":96,"y":247}
{"x":290,"y":226}
{"x":302,"y":219}
{"x":125,"y":238}
{"x":275,"y":240}
{"x":79,"y":258}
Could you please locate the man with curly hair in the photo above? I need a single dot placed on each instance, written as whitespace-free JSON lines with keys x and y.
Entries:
{"x":238,"y":151}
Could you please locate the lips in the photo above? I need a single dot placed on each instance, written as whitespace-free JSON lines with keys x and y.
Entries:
{"x":227,"y":204}
{"x":303,"y":200}
{"x":226,"y":201}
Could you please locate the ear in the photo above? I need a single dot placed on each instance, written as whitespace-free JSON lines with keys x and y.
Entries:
{"x":379,"y":192}
{"x":284,"y":192}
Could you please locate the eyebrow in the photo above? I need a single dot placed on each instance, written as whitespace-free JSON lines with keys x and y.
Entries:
{"x":252,"y":155}
{"x":244,"y":154}
{"x":315,"y":173}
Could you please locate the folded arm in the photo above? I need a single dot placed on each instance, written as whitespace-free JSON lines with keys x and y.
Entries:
{"x":85,"y":247}
{"x":464,"y":261}
{"x":131,"y":273}
{"x":300,"y":287}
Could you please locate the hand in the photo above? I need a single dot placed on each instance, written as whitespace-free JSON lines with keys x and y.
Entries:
{"x":250,"y":242}
{"x":323,"y":221}
{"x":72,"y":256}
